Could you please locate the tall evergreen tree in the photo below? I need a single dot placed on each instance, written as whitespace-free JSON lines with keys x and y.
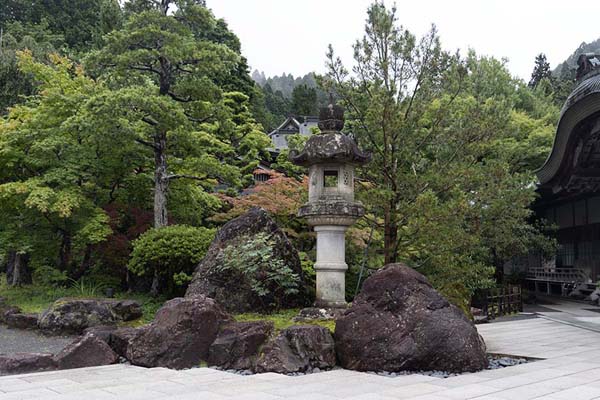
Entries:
{"x":541,"y":70}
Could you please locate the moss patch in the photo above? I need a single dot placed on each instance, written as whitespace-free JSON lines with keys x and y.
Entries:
{"x":283,"y":319}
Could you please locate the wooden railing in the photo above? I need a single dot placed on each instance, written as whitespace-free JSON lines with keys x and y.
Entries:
{"x":563,"y":275}
{"x":499,"y":301}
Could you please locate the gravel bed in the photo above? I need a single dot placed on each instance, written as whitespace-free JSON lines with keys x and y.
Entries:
{"x":495,"y":362}
{"x":23,"y":341}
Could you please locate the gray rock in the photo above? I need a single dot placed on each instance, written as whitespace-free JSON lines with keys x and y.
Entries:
{"x":23,"y":363}
{"x":238,"y":344}
{"x":209,"y":281}
{"x":102,"y":332}
{"x":21,"y":321}
{"x":75,"y":315}
{"x":180,"y":335}
{"x":299,"y":348}
{"x":86,"y":351}
{"x":120,"y":339}
{"x":400,"y":322}
{"x":126,"y":310}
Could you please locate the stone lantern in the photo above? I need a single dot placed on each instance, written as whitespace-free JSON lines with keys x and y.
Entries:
{"x":331,"y":158}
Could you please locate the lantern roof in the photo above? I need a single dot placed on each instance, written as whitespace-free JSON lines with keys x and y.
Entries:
{"x":331,"y":145}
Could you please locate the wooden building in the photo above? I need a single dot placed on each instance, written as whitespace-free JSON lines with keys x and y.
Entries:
{"x":569,"y":187}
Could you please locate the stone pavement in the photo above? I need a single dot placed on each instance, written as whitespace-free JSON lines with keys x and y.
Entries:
{"x":570,"y":312}
{"x":571,"y":370}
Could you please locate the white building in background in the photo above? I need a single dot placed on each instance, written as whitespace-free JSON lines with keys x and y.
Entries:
{"x":292,"y":126}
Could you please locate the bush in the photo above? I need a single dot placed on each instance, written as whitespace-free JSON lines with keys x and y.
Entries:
{"x":171,"y":253}
{"x":254,"y":266}
{"x":48,"y":276}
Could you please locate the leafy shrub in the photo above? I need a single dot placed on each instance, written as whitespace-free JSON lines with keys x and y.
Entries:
{"x":85,"y":288}
{"x":47,"y":276}
{"x":171,"y":252}
{"x":253,"y":264}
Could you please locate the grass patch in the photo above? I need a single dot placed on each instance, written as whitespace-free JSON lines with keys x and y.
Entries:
{"x":283,"y":319}
{"x":37,"y":298}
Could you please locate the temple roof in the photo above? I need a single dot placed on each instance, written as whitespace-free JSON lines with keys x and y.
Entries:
{"x":576,"y":148}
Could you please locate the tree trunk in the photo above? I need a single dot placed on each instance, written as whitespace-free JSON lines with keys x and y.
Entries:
{"x":390,"y":236}
{"x":161,"y":180}
{"x":64,"y":253}
{"x":85,"y":263}
{"x":17,"y":270}
{"x":161,"y":187}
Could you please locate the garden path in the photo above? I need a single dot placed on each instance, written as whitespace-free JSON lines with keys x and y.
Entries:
{"x":570,"y":370}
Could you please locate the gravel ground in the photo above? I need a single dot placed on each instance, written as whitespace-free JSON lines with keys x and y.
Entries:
{"x":16,"y":341}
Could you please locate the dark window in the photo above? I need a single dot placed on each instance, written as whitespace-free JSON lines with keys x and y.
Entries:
{"x":330,"y":179}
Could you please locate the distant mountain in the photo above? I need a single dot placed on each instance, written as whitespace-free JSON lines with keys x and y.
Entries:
{"x":284,"y":83}
{"x":567,"y":67}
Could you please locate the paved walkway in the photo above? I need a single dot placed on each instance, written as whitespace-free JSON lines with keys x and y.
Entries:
{"x":571,"y":312}
{"x":570,"y":371}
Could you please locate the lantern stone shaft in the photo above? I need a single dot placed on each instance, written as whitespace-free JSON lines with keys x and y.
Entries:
{"x":331,"y":158}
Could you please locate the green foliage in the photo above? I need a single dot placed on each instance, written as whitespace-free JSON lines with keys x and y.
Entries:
{"x":540,"y":71}
{"x":283,"y":319}
{"x":171,"y":252}
{"x":45,"y":275}
{"x":454,"y":142}
{"x":252,"y":263}
{"x":304,"y":100}
{"x":283,"y":163}
{"x":38,"y":297}
{"x":85,"y":288}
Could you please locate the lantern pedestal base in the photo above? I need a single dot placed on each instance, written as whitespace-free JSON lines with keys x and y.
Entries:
{"x":331,"y":266}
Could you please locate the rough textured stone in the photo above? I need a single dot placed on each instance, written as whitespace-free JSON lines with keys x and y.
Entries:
{"x":208,"y":281}
{"x":86,"y":351}
{"x":298,"y":348}
{"x":399,"y":322}
{"x":126,"y":310}
{"x":6,"y":310}
{"x":117,"y":338}
{"x":238,"y":344}
{"x":332,"y":147}
{"x":180,"y":335}
{"x":75,"y":315}
{"x":23,"y":363}
{"x":120,"y":339}
{"x":102,"y":332}
{"x":21,"y":321}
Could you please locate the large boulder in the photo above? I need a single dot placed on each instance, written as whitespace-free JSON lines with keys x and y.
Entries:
{"x":251,"y":240}
{"x":86,"y":351}
{"x":73,"y":316}
{"x":23,"y":363}
{"x":180,"y":335}
{"x":238,"y":344}
{"x":299,"y":348}
{"x":400,"y":322}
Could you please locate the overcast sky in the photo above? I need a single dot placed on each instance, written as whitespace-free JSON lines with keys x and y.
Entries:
{"x":292,"y":35}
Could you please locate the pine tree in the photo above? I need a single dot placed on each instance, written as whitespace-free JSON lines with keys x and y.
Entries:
{"x":540,"y":71}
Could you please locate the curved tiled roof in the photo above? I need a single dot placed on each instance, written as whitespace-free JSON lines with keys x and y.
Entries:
{"x":583,"y":101}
